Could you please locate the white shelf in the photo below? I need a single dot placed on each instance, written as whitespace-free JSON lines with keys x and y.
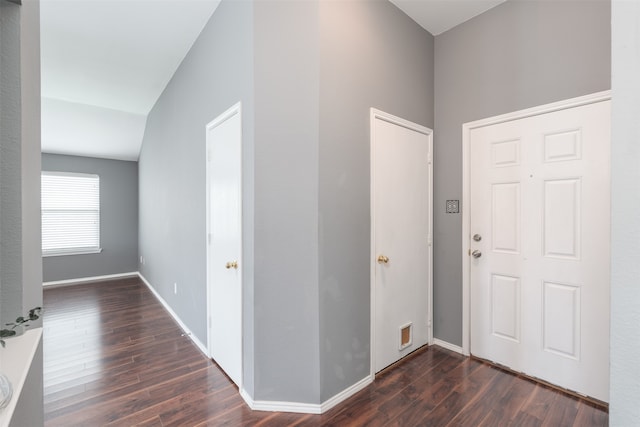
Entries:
{"x":15,"y":360}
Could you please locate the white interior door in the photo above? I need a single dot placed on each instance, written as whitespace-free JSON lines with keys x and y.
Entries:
{"x":401,"y":237}
{"x":224,"y":241}
{"x":539,"y":226}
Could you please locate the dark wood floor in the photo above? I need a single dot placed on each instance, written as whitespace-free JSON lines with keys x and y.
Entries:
{"x":113,"y":356}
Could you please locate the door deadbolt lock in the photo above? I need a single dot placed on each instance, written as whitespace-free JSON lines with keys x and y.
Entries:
{"x":383,"y":259}
{"x":476,"y":254}
{"x":232,"y":264}
{"x":477,"y":237}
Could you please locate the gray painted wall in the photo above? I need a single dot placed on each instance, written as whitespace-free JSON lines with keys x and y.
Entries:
{"x":286,"y":201}
{"x":30,"y":153}
{"x":216,"y":73}
{"x":372,"y":55}
{"x":20,"y":270}
{"x":625,"y":204}
{"x":118,"y":219}
{"x":517,"y":55}
{"x":31,"y":398}
{"x":308,"y":158}
{"x":10,"y":163}
{"x":20,"y":253}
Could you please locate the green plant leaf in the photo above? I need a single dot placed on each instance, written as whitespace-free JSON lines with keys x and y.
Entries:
{"x":7,"y":333}
{"x":34,"y":313}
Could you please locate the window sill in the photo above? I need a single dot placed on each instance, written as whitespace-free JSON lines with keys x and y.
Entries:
{"x":76,"y":252}
{"x":15,"y":362}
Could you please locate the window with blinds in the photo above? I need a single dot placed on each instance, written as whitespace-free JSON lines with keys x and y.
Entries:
{"x":70,"y":213}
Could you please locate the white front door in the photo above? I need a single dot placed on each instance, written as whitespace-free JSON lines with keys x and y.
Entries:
{"x":401,"y":237}
{"x":539,"y":243}
{"x":224,"y":241}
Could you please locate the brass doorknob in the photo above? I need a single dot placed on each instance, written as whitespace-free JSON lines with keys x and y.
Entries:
{"x":232,"y":264}
{"x":383,"y":259}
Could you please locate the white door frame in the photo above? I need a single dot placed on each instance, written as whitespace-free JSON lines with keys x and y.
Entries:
{"x":231,"y":112}
{"x":466,"y":185}
{"x":381,"y":115}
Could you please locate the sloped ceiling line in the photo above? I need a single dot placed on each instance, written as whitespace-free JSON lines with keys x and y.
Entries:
{"x":106,"y":62}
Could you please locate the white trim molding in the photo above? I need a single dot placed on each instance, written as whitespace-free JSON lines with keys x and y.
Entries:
{"x":305,"y":408}
{"x":173,"y":314}
{"x":84,"y":280}
{"x":346,"y":393}
{"x":275,"y":406}
{"x":448,"y":346}
{"x":466,"y":187}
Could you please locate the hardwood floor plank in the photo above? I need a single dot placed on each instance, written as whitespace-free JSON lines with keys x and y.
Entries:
{"x":151,"y":422}
{"x":481,"y":404}
{"x":95,"y":395}
{"x":539,"y":403}
{"x":563,"y":412}
{"x":114,"y":356}
{"x":507,"y":403}
{"x":463,"y":394}
{"x":526,"y":420}
{"x":435,"y":390}
{"x":591,"y":416}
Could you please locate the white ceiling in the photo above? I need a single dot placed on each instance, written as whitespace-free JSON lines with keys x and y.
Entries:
{"x":438,"y":16}
{"x":106,"y":62}
{"x":104,"y":65}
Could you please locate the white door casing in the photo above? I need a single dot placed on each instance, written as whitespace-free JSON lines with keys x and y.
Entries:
{"x":538,"y":196}
{"x":224,"y":241}
{"x":401,"y":230}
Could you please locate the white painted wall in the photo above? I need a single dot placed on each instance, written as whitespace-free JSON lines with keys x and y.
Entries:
{"x":625,"y":234}
{"x":86,"y":130}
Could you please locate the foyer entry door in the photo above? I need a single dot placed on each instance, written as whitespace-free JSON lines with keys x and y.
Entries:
{"x":539,"y":246}
{"x":401,"y":200}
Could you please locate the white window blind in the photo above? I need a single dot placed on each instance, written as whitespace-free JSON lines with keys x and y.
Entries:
{"x":70,"y":213}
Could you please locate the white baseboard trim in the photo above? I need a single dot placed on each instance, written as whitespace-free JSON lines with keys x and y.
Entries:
{"x":275,"y":406}
{"x":187,"y":331}
{"x":84,"y":280}
{"x":305,"y":408}
{"x":345,"y":394}
{"x":448,"y":346}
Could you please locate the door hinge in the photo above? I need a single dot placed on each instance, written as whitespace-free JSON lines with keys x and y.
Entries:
{"x":209,"y":238}
{"x":429,"y":240}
